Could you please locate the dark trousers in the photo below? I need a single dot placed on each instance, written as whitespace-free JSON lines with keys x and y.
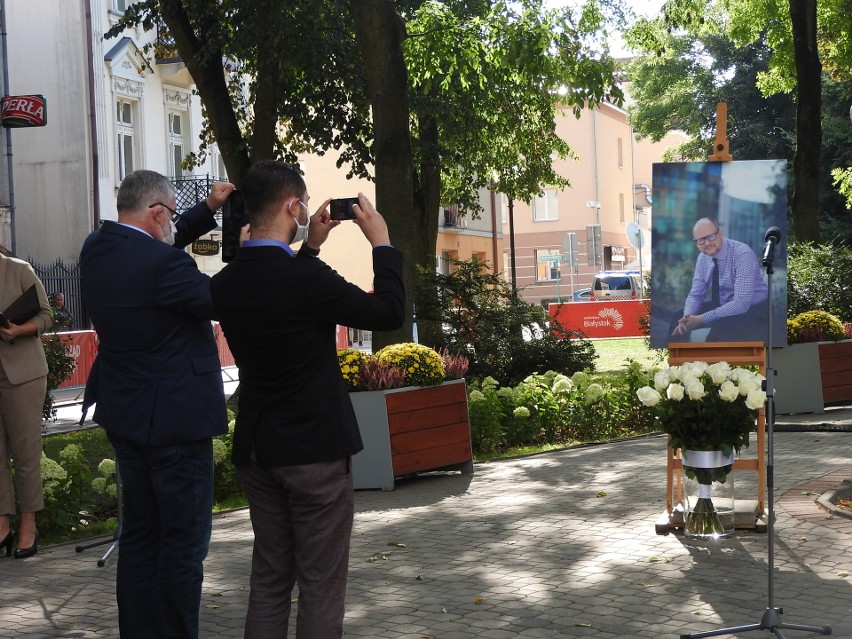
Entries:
{"x":302,"y":521}
{"x":749,"y":327}
{"x":167,"y":506}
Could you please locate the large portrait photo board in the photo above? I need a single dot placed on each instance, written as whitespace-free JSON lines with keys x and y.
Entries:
{"x":708,"y":282}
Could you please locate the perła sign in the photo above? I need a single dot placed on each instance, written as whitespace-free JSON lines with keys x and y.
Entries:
{"x":23,"y":111}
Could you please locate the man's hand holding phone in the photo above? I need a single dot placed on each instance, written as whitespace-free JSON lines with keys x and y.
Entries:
{"x":371,"y":222}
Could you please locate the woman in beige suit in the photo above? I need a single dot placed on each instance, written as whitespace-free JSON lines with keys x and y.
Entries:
{"x":23,"y":382}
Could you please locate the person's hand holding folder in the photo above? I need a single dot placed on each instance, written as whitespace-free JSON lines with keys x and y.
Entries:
{"x":21,"y":311}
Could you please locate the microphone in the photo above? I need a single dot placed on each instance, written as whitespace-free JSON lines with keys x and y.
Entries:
{"x":771,"y":239}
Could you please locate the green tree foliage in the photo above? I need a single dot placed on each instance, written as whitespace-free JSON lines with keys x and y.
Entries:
{"x":818,"y":279}
{"x":477,"y":314}
{"x":482,"y":79}
{"x":804,"y":37}
{"x":680,"y":88}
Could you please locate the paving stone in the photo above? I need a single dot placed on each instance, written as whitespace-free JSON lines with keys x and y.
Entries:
{"x":530,"y":541}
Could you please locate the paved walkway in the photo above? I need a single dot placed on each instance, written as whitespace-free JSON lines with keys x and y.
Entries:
{"x":554,"y":545}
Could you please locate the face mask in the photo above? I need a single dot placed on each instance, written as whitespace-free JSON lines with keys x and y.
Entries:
{"x":302,"y":229}
{"x":169,"y":235}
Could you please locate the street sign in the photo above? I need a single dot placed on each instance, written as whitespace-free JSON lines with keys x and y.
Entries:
{"x":551,"y":258}
{"x":570,"y":246}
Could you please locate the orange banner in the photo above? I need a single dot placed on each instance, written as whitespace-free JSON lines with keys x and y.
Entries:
{"x":600,"y":319}
{"x":82,"y":346}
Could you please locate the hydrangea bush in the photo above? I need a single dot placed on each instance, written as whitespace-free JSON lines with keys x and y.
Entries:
{"x":552,"y":408}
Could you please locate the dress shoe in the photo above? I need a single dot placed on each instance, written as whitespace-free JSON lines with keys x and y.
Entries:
{"x":7,"y":543}
{"x":23,"y":553}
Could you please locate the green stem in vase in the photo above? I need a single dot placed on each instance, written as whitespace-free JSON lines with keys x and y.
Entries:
{"x":703,"y":519}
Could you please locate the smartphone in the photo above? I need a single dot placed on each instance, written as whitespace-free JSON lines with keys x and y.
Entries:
{"x":341,"y":209}
{"x":234,"y":217}
{"x":3,"y":322}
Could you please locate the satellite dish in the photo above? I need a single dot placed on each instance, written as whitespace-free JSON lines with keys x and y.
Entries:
{"x":635,"y":235}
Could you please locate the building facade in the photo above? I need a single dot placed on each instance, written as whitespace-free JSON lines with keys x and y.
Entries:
{"x":610,"y":188}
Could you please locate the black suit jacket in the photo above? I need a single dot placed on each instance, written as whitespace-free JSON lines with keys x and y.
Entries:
{"x":279,"y":314}
{"x":157,"y":378}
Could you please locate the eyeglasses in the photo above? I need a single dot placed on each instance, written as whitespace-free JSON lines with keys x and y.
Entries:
{"x":701,"y":241}
{"x":175,"y":215}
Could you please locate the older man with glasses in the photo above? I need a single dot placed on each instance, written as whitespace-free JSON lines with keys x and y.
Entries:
{"x":729,"y":272}
{"x":157,"y":389}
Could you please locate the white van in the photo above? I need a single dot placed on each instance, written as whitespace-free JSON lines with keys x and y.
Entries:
{"x":616,"y":285}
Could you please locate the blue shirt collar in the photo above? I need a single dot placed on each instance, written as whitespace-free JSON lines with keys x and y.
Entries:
{"x":267,"y":242}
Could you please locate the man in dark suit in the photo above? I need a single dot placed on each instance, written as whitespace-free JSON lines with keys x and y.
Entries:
{"x":157,"y":386}
{"x":296,"y":429}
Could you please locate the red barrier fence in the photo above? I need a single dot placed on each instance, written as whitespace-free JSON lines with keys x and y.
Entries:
{"x":600,"y":319}
{"x":83,"y":346}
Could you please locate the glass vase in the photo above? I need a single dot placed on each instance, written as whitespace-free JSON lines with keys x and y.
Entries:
{"x":708,"y":494}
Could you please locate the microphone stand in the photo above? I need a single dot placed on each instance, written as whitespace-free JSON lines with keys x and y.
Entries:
{"x":771,"y":620}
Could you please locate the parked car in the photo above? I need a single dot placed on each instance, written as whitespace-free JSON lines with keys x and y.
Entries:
{"x":582,"y":295}
{"x":616,"y":285}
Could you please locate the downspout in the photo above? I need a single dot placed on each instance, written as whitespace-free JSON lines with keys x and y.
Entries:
{"x":597,"y":185}
{"x":8,"y":131}
{"x":93,"y":119}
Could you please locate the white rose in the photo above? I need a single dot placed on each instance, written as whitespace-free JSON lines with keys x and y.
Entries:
{"x":674,"y":373}
{"x":739,"y":374}
{"x":747,"y":385}
{"x":755,"y":399}
{"x":688,"y":379}
{"x":648,"y":396}
{"x":696,"y":369}
{"x":696,"y":390}
{"x":661,"y":380}
{"x":675,"y":392}
{"x":728,"y":391}
{"x":719,"y":372}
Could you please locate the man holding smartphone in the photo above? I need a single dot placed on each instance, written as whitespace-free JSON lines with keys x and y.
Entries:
{"x":296,"y":429}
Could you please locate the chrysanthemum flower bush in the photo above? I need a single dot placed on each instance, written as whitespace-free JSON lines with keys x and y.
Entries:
{"x":421,"y":365}
{"x":705,"y":407}
{"x":552,"y":408}
{"x":399,"y":365}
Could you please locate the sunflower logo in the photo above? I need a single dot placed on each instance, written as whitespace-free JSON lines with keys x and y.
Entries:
{"x":613,"y":317}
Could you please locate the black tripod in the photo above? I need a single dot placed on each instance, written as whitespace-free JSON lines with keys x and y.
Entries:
{"x":771,"y":620}
{"x":117,"y":534}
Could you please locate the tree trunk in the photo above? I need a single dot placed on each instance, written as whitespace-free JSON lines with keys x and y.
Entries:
{"x":806,"y":161}
{"x":380,"y":33}
{"x":209,"y":76}
{"x":428,"y":203}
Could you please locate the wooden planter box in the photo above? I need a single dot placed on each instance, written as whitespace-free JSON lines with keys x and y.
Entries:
{"x":411,"y":430}
{"x":812,"y":375}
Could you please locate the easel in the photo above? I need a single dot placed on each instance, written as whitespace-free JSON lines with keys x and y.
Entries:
{"x":748,"y":513}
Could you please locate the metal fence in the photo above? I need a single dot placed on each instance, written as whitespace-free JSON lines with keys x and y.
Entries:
{"x":190,"y":191}
{"x":60,"y":277}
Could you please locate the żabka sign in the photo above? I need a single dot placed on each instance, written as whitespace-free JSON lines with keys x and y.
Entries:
{"x":23,"y":111}
{"x":600,"y":319}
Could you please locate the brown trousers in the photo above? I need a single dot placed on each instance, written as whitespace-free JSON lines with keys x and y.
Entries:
{"x":302,"y":521}
{"x":20,"y":439}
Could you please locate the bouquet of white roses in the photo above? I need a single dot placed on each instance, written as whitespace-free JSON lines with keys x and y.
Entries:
{"x":705,"y":408}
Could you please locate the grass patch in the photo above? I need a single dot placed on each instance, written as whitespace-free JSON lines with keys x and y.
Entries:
{"x":612,"y":354}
